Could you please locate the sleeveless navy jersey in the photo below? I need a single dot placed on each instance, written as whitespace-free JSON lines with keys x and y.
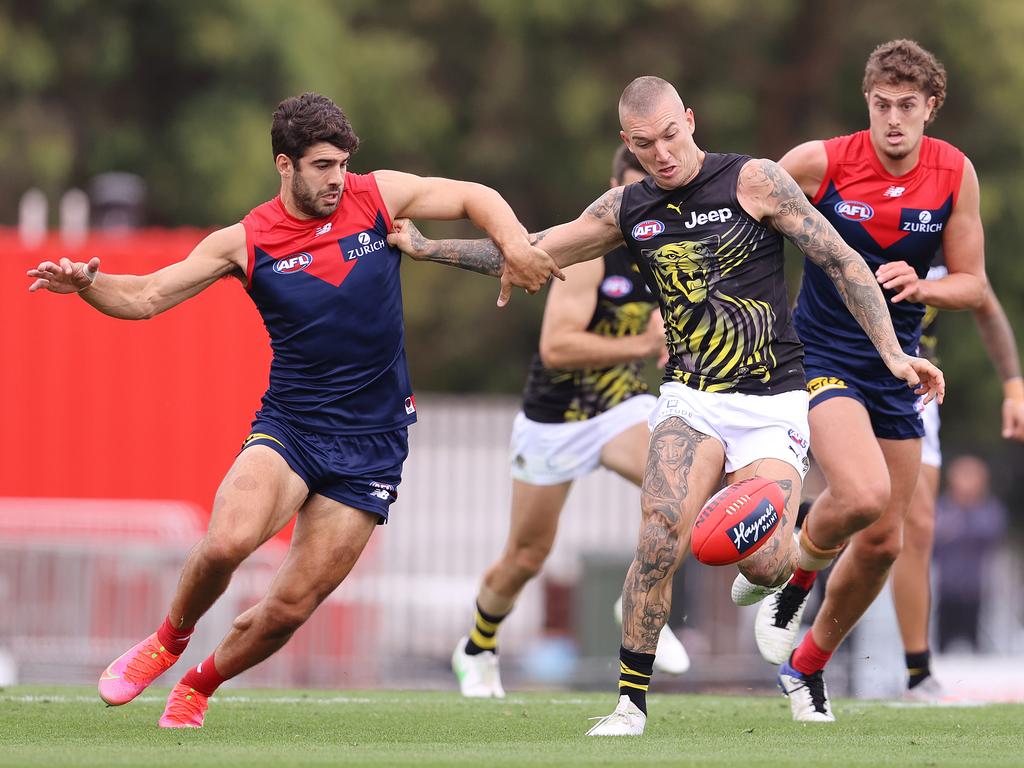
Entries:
{"x":884,"y":218}
{"x":719,"y":278}
{"x":624,"y":306}
{"x":330,"y":296}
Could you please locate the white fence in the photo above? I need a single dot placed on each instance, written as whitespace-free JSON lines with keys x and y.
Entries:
{"x":72,"y":603}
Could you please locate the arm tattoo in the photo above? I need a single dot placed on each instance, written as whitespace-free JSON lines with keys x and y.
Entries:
{"x":607,"y":206}
{"x":666,"y":485}
{"x":480,"y":256}
{"x":793,"y":216}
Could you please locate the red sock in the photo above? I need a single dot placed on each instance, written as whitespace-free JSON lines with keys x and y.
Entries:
{"x":204,"y":678}
{"x":803,"y":579}
{"x":809,"y":657}
{"x":172,"y":638}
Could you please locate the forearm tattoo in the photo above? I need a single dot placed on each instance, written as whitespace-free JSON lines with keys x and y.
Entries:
{"x":645,"y":603}
{"x":480,"y":256}
{"x":811,"y":232}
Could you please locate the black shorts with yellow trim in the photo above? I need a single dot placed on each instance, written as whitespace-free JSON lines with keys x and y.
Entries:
{"x":362,"y":471}
{"x":892,"y":406}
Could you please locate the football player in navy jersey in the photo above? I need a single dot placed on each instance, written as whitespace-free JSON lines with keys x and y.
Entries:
{"x":896,"y":196}
{"x":329,"y":441}
{"x":585,"y":405}
{"x":706,"y":231}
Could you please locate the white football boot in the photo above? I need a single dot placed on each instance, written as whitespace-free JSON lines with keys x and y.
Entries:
{"x":778,"y":623}
{"x":808,"y":696}
{"x":478,"y":675}
{"x":931,"y":691}
{"x":670,"y":656}
{"x":626,"y":720}
{"x":745,"y":593}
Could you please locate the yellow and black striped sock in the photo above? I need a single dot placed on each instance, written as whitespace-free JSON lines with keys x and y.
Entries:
{"x":483,"y":637}
{"x":918,"y":667}
{"x":635,"y":670}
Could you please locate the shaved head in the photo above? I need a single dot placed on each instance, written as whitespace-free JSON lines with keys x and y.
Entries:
{"x":644,"y":94}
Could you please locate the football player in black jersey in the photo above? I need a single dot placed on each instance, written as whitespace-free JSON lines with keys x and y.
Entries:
{"x":706,"y":230}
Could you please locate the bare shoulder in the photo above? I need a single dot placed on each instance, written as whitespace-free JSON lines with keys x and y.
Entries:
{"x":969,"y":185}
{"x":807,"y":163}
{"x":763,"y":187}
{"x":606,"y":208}
{"x":225,"y":248}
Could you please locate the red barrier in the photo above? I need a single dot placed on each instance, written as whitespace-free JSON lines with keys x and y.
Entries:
{"x":105,"y":408}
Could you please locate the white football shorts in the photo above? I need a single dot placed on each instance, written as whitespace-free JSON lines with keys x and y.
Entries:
{"x":750,"y":427}
{"x":931,"y":450}
{"x":549,"y":454}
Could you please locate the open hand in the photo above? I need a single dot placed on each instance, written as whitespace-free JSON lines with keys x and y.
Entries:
{"x":921,"y":374}
{"x":66,"y":277}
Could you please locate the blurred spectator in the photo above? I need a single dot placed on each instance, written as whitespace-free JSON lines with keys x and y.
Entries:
{"x":970,"y":524}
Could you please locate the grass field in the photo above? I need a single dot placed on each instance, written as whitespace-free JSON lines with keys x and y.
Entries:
{"x":70,"y":727}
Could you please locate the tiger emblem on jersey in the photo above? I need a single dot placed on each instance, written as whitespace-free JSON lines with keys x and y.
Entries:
{"x":715,"y":339}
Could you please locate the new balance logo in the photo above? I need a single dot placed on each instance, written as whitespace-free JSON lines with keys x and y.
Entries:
{"x":322,"y":230}
{"x":894,"y":191}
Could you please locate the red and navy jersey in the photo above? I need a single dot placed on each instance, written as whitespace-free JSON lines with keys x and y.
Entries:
{"x":330,"y":296}
{"x":885,"y":218}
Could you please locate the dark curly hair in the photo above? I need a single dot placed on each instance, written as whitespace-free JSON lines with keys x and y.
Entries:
{"x":904,"y":61}
{"x":302,"y":121}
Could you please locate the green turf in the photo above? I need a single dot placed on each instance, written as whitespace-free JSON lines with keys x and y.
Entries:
{"x":70,"y":727}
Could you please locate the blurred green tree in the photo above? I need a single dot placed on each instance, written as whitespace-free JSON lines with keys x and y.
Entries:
{"x":520,"y":96}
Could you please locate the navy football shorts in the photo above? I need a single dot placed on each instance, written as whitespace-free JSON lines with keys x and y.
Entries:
{"x":362,"y":471}
{"x":894,"y":409}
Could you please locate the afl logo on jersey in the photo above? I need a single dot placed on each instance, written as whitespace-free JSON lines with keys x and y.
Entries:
{"x":645,"y":230}
{"x":852,"y":210}
{"x":296,"y":262}
{"x":616,"y":286}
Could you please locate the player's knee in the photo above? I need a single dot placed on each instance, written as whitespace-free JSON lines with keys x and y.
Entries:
{"x":864,"y":503}
{"x":918,"y":533}
{"x":225,"y":553}
{"x":880,"y":551}
{"x":528,"y":561}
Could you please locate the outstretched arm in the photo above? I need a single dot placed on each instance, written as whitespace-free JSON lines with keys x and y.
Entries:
{"x":410,"y":196}
{"x":139,"y":297}
{"x":767,"y":189}
{"x":1001,"y":345}
{"x":593,"y":234}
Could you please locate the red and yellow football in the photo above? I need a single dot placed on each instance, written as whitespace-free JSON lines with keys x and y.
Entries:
{"x":737,"y":521}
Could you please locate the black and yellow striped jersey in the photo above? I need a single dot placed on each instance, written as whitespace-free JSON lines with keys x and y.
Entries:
{"x":719,"y":278}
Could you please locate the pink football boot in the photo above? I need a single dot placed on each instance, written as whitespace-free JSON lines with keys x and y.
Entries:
{"x":185,"y":708}
{"x":130,"y":673}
